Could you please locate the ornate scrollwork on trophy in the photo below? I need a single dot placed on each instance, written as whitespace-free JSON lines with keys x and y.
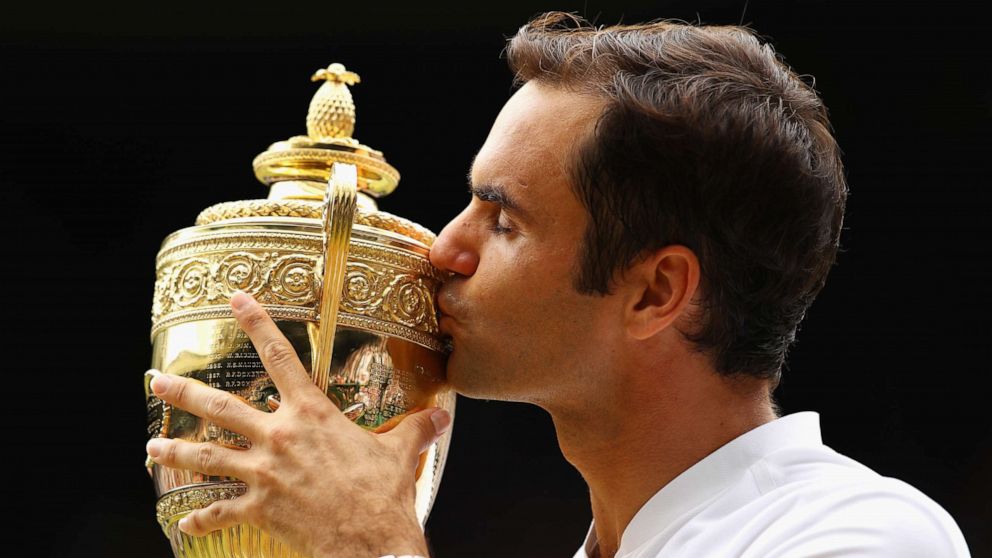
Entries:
{"x":292,"y":280}
{"x":190,"y":282}
{"x":409,"y":301}
{"x":240,"y":271}
{"x":196,"y":280}
{"x":363,"y":285}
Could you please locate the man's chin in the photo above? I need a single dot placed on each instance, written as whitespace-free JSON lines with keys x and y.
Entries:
{"x":476,"y":383}
{"x":462,"y":378}
{"x":458,"y":378}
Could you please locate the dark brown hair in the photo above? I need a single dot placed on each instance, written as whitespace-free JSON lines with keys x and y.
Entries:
{"x":707,"y":140}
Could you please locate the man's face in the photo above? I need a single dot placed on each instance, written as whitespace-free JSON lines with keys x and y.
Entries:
{"x":520,"y":330}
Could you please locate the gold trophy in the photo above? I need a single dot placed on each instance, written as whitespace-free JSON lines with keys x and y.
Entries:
{"x":350,"y":286}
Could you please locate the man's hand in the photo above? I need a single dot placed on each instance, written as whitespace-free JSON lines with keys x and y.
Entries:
{"x":315,"y":480}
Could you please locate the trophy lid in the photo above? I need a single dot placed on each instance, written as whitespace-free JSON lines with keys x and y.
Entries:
{"x":299,"y":167}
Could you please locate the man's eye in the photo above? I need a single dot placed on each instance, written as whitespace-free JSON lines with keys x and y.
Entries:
{"x":499,"y":228}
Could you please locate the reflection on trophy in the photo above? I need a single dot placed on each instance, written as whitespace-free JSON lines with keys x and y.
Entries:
{"x":350,"y":286}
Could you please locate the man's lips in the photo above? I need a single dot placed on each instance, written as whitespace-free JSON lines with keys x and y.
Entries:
{"x":444,"y":308}
{"x":447,"y":323}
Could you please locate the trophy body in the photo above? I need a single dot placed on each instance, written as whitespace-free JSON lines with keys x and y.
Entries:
{"x":312,"y":262}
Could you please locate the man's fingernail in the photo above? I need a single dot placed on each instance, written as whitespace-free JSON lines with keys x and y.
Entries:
{"x":160,"y":383}
{"x":154,"y":447}
{"x":184,"y":524}
{"x":151,"y":374}
{"x":441,"y":420}
{"x":240,"y":300}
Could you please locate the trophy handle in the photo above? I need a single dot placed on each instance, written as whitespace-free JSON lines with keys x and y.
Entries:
{"x":340,"y":204}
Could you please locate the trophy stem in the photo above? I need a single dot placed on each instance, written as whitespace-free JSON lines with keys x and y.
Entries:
{"x":340,"y":204}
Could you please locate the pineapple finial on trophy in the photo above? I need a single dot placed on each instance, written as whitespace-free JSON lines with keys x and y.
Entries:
{"x":332,"y":110}
{"x":299,"y":167}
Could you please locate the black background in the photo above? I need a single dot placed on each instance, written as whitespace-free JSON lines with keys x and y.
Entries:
{"x":120,"y":121}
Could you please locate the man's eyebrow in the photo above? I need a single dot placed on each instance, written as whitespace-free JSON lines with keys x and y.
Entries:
{"x":494,"y":193}
{"x":490,"y":192}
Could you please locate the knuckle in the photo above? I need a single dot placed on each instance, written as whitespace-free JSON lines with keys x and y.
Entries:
{"x":180,"y":392}
{"x":216,"y":513}
{"x":278,"y":352}
{"x":425,"y":428}
{"x":254,"y":319}
{"x":169,"y":455}
{"x":218,"y":404}
{"x":316,"y":408}
{"x":264,"y":479}
{"x":416,"y":432}
{"x":205,"y":457}
{"x":281,"y":436}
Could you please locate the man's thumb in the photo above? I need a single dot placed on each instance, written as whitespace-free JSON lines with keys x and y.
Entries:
{"x":423,"y":428}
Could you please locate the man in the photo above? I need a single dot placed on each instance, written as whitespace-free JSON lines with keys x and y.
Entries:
{"x":653,"y":212}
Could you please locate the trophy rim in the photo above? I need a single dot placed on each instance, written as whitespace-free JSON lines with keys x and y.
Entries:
{"x":292,"y":224}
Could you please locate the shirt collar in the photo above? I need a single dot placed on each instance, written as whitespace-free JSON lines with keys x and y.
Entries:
{"x":713,"y":474}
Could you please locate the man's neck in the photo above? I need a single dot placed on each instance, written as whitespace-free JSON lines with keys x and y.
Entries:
{"x":629,"y":448}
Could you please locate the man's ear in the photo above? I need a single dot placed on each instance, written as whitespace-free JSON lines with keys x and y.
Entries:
{"x":661,"y":288}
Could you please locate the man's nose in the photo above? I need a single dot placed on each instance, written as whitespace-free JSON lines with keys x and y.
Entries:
{"x":456,"y":249}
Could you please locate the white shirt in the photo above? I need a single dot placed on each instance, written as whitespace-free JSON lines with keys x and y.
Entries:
{"x":778,"y":492}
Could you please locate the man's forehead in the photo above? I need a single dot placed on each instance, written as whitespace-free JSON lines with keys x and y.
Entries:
{"x":546,"y":111}
{"x":536,"y":130}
